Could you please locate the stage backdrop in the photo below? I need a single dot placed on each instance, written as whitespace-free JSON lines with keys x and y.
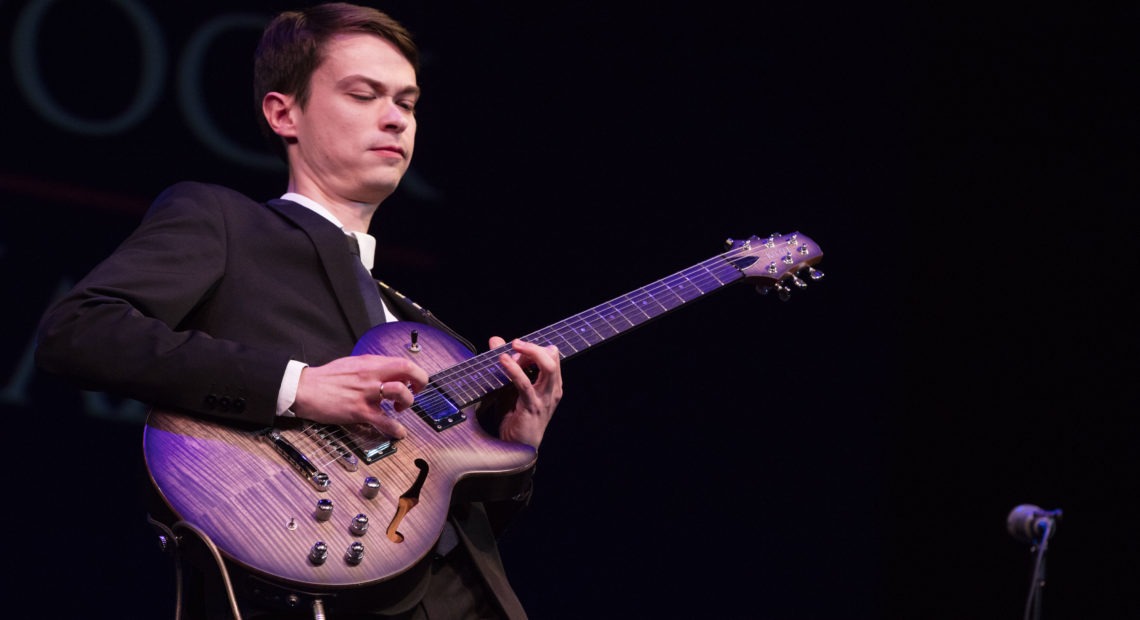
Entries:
{"x":850,"y":453}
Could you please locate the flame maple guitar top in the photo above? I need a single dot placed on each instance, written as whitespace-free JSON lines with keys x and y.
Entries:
{"x":260,"y":512}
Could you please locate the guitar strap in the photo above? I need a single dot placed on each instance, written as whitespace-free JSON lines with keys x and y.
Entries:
{"x":471,"y":521}
{"x":407,"y":309}
{"x":475,"y":533}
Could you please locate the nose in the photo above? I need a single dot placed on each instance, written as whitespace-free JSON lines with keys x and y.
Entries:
{"x":393,"y":117}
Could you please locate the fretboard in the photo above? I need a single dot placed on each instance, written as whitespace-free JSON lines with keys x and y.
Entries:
{"x":469,"y":381}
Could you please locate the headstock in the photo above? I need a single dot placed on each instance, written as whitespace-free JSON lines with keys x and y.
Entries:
{"x":780,"y":262}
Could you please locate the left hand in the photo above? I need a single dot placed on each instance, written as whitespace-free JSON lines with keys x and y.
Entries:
{"x":526,"y":422}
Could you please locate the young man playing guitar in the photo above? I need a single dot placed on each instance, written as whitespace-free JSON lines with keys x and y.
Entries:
{"x":223,"y":310}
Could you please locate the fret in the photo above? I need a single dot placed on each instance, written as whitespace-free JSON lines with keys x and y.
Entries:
{"x":683,"y":287}
{"x":700,"y":280}
{"x":586,"y":325}
{"x":559,"y":336}
{"x":725,"y":273}
{"x":631,"y":310}
{"x":648,"y":303}
{"x":665,"y":295}
{"x":603,"y":328}
{"x":462,"y":388}
{"x":491,"y":377}
{"x":612,"y":314}
{"x":570,"y":335}
{"x":470,"y":381}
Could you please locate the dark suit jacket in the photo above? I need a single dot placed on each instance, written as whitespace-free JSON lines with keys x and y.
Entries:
{"x":208,"y":300}
{"x":201,"y":308}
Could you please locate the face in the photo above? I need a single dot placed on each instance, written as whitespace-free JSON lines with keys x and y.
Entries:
{"x":355,"y":137}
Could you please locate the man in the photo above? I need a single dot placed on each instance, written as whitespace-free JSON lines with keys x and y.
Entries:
{"x":241,"y":312}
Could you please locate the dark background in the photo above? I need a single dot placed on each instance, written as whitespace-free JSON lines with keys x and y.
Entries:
{"x":851,"y":453}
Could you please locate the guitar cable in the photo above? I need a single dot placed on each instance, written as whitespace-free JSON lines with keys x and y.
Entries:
{"x":174,"y":548}
{"x":225,"y":574}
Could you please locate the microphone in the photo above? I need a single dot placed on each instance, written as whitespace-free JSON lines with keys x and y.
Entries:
{"x":1028,"y":523}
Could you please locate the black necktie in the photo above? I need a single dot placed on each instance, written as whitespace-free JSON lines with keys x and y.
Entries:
{"x":367,"y":284}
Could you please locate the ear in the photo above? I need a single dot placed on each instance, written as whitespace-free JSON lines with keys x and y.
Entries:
{"x":278,"y":110}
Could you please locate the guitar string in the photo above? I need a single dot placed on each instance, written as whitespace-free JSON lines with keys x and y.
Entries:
{"x":365,"y":439}
{"x":313,"y":431}
{"x":703,"y":278}
{"x":595,"y":325}
{"x":603,"y":321}
{"x":697,"y":277}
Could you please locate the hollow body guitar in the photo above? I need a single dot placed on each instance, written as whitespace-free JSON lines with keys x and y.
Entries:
{"x":327,"y":508}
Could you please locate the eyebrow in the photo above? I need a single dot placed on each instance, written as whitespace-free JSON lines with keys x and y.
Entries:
{"x":379,"y":86}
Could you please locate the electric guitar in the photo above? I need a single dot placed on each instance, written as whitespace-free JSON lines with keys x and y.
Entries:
{"x":325,"y":508}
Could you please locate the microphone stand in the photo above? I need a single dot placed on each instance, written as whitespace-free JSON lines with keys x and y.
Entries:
{"x":1037,"y":584}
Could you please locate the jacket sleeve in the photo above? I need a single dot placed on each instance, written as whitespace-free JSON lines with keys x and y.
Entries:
{"x":121,"y":329}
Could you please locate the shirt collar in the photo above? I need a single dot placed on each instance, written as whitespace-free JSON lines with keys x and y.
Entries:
{"x":366,"y":241}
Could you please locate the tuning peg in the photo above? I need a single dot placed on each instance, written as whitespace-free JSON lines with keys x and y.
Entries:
{"x":814,"y":274}
{"x":782,"y":292}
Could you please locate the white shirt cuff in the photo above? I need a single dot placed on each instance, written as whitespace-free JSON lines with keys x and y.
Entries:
{"x":288,"y":392}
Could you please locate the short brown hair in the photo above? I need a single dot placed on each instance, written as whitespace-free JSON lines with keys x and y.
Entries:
{"x":292,"y":47}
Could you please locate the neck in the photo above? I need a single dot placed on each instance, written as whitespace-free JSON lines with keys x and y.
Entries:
{"x":354,"y":215}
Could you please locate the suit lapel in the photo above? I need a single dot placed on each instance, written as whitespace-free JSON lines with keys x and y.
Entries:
{"x":332,"y":249}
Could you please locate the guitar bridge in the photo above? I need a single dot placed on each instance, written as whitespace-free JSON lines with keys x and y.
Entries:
{"x":317,"y":478}
{"x":326,"y":437}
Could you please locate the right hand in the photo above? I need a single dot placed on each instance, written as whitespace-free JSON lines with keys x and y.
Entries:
{"x":350,"y":389}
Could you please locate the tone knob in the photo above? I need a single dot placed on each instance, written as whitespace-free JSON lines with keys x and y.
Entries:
{"x":371,"y":487}
{"x":359,"y":525}
{"x":319,"y":553}
{"x":324,"y":510}
{"x":354,"y":554}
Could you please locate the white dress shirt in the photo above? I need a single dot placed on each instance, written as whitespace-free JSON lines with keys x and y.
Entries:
{"x":288,"y":392}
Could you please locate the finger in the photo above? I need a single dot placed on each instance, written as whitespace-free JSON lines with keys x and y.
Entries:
{"x":546,"y":358}
{"x":399,"y":393}
{"x":413,"y":377}
{"x":514,"y":371}
{"x":389,"y":426}
{"x":396,"y":369}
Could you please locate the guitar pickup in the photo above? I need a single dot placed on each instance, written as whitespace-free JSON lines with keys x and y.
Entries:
{"x":439,"y":412}
{"x":368,"y":443}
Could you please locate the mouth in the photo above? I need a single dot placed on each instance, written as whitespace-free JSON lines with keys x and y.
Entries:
{"x":389,"y":151}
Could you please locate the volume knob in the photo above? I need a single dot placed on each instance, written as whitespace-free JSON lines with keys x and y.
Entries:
{"x":371,"y":487}
{"x":359,"y":525}
{"x":354,"y":554}
{"x":319,"y":553}
{"x":324,"y":510}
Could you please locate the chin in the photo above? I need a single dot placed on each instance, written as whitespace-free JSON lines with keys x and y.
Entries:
{"x":377,"y":191}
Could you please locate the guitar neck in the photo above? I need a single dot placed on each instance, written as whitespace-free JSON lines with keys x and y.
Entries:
{"x":471,"y":380}
{"x":621,"y":314}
